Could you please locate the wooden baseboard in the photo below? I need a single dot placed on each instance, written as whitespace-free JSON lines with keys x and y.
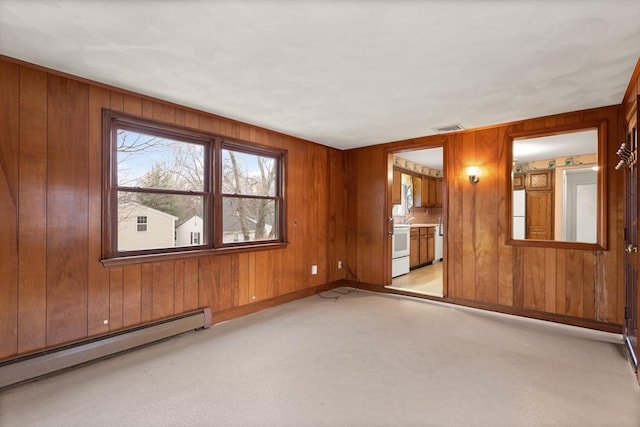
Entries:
{"x":532,"y":314}
{"x":232,"y":313}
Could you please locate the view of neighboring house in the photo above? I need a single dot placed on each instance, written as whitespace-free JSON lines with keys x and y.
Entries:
{"x":190,"y":232}
{"x":141,"y":227}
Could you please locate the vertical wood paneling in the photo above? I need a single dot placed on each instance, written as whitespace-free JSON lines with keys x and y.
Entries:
{"x":116,"y":291}
{"x":293,"y":187}
{"x":263,"y":276}
{"x":534,"y":278}
{"x":131,"y":295}
{"x":191,"y":285}
{"x":302,"y":200}
{"x":226,"y":285}
{"x":67,"y":210}
{"x":98,"y":285}
{"x":486,"y":218}
{"x":518,"y":276}
{"x":147,"y":109}
{"x":276,"y":274}
{"x":561,"y":282}
{"x":336,"y":225}
{"x":178,"y":286}
{"x":9,"y":175}
{"x":164,"y":113}
{"x":162,"y":290}
{"x":52,"y":135}
{"x":454,"y":234}
{"x":146,"y":293}
{"x":574,"y":274}
{"x":117,"y":101}
{"x":469,"y":213}
{"x":208,"y":274}
{"x":243,"y":279}
{"x":318,"y":221}
{"x":132,"y":105}
{"x":505,"y":252}
{"x":589,"y":285}
{"x":480,"y":265}
{"x":550,"y":280}
{"x":611,"y":298}
{"x":32,"y":251}
{"x":251,"y":277}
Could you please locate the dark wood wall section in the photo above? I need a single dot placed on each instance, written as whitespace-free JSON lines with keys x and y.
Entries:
{"x":481,"y":268}
{"x":53,"y":288}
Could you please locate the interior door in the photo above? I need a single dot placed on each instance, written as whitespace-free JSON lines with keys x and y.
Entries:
{"x":631,"y":241}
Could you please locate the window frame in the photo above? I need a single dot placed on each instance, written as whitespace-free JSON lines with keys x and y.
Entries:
{"x":212,"y":190}
{"x":144,"y":222}
{"x":278,"y":197}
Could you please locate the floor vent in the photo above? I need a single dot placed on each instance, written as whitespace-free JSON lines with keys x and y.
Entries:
{"x":449,"y":128}
{"x":29,"y":367}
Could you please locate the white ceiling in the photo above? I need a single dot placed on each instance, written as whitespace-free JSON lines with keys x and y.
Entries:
{"x":342,"y":73}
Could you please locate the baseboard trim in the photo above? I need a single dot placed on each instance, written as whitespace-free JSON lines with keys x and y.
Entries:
{"x":32,"y":366}
{"x":243,"y":310}
{"x":532,"y":314}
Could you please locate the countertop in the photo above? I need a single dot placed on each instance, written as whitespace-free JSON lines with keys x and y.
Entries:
{"x":423,"y":225}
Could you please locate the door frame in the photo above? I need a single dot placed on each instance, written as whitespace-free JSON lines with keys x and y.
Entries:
{"x":389,"y":152}
{"x":631,"y":240}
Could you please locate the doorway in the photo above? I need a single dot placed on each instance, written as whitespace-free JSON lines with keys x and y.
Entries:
{"x":417,"y":211}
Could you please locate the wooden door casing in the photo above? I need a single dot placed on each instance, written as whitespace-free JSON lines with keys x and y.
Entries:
{"x":631,"y":309}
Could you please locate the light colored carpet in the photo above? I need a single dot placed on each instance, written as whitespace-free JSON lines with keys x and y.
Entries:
{"x":363,"y":359}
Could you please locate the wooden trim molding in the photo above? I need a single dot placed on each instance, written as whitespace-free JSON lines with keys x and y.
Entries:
{"x":532,"y":314}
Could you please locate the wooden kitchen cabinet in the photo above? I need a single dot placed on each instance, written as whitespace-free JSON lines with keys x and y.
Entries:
{"x":430,"y":192}
{"x":414,"y":248}
{"x":539,"y":180}
{"x":518,"y":181}
{"x":439,"y":190}
{"x":417,"y":191}
{"x":426,"y":187}
{"x":422,"y":248}
{"x":396,"y":193}
{"x":539,"y":200}
{"x":539,"y":215}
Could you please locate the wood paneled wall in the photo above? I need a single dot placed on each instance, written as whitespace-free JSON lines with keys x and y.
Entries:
{"x":481,"y":267}
{"x":53,"y":288}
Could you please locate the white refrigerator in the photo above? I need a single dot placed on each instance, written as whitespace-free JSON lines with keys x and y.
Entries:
{"x":518,"y":214}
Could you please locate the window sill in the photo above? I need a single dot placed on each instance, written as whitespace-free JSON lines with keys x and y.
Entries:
{"x":168,"y":256}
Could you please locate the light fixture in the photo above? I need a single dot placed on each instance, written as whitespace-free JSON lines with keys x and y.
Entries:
{"x":473,"y":172}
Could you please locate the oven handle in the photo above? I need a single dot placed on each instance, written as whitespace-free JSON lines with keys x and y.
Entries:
{"x":391,"y":224}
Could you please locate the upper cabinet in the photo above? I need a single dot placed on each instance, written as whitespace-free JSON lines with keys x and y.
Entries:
{"x":396,"y":193}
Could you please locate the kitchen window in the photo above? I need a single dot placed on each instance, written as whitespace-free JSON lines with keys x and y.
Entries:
{"x":200,"y":191}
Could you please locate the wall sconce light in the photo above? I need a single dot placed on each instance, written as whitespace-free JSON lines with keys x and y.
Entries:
{"x":473,"y":172}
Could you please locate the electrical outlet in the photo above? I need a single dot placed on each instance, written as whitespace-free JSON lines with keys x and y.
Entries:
{"x":314,"y":269}
{"x":339,"y":264}
{"x":105,"y":322}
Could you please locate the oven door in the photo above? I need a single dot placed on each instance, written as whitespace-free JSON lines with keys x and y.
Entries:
{"x":400,"y":245}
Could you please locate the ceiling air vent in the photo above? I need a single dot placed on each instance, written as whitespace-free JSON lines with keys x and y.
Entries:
{"x":449,"y":128}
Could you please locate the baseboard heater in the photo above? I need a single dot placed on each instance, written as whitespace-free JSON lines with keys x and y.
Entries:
{"x":32,"y":366}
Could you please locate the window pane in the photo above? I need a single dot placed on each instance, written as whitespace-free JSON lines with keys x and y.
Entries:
{"x":158,"y":221}
{"x":249,"y":174}
{"x":149,"y":161}
{"x":246,"y":220}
